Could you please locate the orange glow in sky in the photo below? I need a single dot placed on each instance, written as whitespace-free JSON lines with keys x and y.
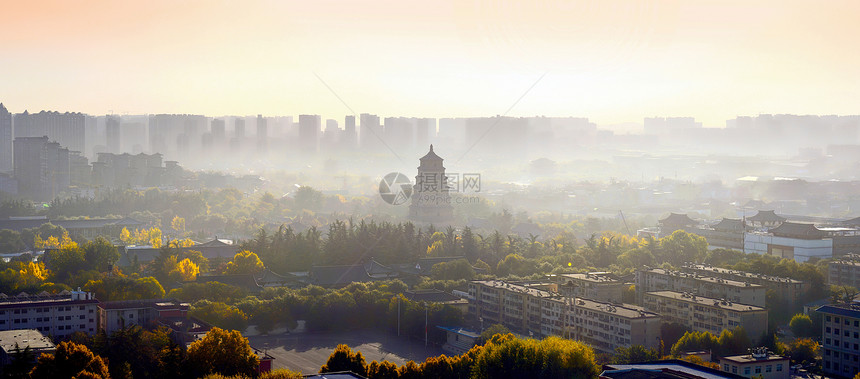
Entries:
{"x":611,"y":61}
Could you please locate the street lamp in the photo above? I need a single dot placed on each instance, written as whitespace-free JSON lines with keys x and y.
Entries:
{"x":425,"y":323}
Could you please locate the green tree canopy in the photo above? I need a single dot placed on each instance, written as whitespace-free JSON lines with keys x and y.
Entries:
{"x":801,"y":325}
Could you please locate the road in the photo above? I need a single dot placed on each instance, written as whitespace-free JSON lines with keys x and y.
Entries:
{"x":306,"y":352}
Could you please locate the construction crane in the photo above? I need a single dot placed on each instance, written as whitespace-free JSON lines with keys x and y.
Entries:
{"x":625,"y":221}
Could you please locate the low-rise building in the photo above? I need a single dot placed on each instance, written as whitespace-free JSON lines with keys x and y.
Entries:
{"x":840,"y":339}
{"x":789,"y":289}
{"x":459,"y":340}
{"x":659,"y":279}
{"x":844,"y":271}
{"x":14,"y":341}
{"x":704,"y":314}
{"x":117,"y":315}
{"x":726,"y":234}
{"x":593,"y":285}
{"x":668,"y":369}
{"x":759,"y":363}
{"x":54,"y":315}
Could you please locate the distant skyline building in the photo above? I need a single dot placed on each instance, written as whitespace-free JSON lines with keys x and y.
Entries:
{"x":309,"y":130}
{"x":41,"y":167}
{"x":262,"y":133}
{"x":218,"y":130}
{"x":239,"y":127}
{"x":349,"y":138}
{"x":5,"y":140}
{"x":67,"y":129}
{"x":112,"y":134}
{"x":370,"y":136}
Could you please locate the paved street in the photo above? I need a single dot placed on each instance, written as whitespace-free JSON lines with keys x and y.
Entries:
{"x":306,"y":352}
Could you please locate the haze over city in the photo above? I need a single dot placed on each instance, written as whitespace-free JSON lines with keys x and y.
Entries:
{"x":610,"y":61}
{"x":452,"y":189}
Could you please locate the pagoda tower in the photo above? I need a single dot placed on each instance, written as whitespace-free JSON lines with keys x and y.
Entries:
{"x":431,"y":202}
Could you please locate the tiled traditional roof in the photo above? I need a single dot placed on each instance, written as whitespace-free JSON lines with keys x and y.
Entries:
{"x":678,"y":219}
{"x":797,"y":230}
{"x":766,"y":216}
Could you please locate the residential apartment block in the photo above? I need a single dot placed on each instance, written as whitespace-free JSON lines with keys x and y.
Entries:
{"x":840,"y":339}
{"x":607,"y":327}
{"x":601,"y":286}
{"x":53,"y":315}
{"x":538,"y":310}
{"x":659,"y":279}
{"x":789,"y":289}
{"x":844,"y":272}
{"x":705,"y":314}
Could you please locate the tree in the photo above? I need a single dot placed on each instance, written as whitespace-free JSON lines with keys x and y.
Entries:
{"x":70,"y":360}
{"x":680,"y":247}
{"x":694,"y":341}
{"x":222,"y":352}
{"x":344,"y":359}
{"x":801,"y":325}
{"x":552,"y":357}
{"x":101,"y":254}
{"x":245,"y":262}
{"x":494,"y":329}
{"x":454,"y":270}
{"x":125,"y":236}
{"x":185,"y":271}
{"x":220,"y":314}
{"x":803,"y":350}
{"x":20,"y":362}
{"x":696,"y":360}
{"x":634,"y":354}
{"x":382,"y":370}
{"x":178,"y":224}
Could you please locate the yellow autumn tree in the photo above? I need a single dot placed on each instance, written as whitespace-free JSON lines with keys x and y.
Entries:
{"x":32,"y":274}
{"x":38,"y":242}
{"x":177,"y":224}
{"x":154,"y":237}
{"x":125,"y":236}
{"x":245,"y":262}
{"x":36,"y":270}
{"x":186,"y":270}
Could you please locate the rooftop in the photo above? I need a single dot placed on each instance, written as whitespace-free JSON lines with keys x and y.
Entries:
{"x":512,"y":287}
{"x":669,"y":368}
{"x":738,"y":273}
{"x":794,"y":229}
{"x":849,"y":310}
{"x":709,"y":279}
{"x":766,"y":216}
{"x":706,"y":301}
{"x":23,"y":338}
{"x":748,"y":358}
{"x":461,"y":331}
{"x":596,"y":277}
{"x":622,"y":310}
{"x":678,"y":219}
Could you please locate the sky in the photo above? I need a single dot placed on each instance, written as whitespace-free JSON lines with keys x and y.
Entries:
{"x":611,"y":61}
